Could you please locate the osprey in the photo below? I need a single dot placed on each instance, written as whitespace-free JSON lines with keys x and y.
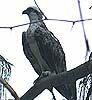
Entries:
{"x":44,"y":51}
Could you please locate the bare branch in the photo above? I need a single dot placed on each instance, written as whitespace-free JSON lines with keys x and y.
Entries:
{"x":40,"y":9}
{"x":13,"y":93}
{"x":69,"y":21}
{"x":59,"y":79}
{"x":84,"y":32}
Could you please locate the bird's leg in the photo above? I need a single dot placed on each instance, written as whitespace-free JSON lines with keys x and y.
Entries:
{"x":43,"y":75}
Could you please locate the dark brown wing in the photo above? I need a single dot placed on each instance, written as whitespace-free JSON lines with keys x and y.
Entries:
{"x":50,"y":50}
{"x":30,"y":56}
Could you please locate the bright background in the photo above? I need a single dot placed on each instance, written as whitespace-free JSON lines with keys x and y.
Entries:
{"x":72,"y":41}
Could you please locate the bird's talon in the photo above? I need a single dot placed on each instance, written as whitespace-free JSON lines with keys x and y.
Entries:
{"x":43,"y":75}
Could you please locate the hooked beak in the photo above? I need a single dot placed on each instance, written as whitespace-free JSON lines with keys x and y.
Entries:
{"x":24,"y":12}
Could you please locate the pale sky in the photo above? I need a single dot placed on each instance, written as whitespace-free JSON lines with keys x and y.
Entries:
{"x":72,"y":41}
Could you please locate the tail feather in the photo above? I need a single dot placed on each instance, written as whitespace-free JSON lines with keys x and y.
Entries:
{"x":68,"y":91}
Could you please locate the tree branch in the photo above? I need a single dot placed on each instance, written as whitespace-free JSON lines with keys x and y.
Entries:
{"x":59,"y":79}
{"x":13,"y":93}
{"x":70,"y":21}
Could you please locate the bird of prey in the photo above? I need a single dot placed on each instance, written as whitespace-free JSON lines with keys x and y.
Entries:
{"x":44,"y":51}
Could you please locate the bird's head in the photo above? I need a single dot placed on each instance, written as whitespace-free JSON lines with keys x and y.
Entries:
{"x":33,"y":13}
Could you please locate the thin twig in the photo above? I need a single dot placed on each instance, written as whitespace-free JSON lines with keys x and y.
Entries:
{"x":90,"y":7}
{"x":40,"y":9}
{"x":70,"y":21}
{"x":84,"y":32}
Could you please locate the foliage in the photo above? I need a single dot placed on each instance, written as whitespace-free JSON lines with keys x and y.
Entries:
{"x":5,"y":73}
{"x":85,"y":86}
